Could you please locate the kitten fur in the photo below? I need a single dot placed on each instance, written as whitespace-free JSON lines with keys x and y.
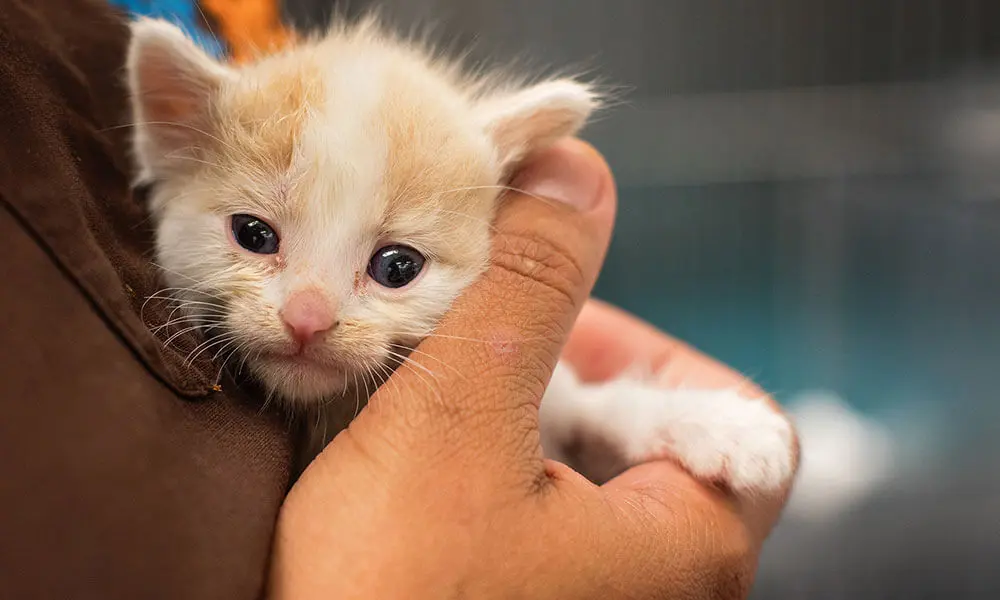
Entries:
{"x":346,"y":143}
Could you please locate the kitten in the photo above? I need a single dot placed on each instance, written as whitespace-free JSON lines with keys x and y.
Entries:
{"x":330,"y":201}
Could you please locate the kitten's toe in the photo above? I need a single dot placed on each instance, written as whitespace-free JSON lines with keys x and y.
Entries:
{"x":719,"y":436}
{"x":725,"y":438}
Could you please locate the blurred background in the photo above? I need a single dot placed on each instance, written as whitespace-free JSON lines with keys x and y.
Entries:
{"x":809,"y":191}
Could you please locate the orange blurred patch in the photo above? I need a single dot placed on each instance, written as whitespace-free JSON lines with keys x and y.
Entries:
{"x":249,"y":27}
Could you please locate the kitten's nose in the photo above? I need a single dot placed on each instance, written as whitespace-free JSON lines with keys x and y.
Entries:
{"x":307,"y":314}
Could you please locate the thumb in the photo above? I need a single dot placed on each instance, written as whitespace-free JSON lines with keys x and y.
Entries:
{"x":489,"y":361}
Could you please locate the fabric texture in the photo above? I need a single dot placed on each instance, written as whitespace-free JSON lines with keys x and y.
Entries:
{"x":126,"y":473}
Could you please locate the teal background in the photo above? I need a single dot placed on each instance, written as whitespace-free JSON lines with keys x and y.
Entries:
{"x":898,"y":312}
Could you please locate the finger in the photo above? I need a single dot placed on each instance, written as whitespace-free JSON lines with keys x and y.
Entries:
{"x":655,"y":532}
{"x":704,"y":532}
{"x":656,"y":485}
{"x":494,"y":352}
{"x":606,"y":340}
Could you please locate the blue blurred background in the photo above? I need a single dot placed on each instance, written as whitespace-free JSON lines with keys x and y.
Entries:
{"x":810,"y":191}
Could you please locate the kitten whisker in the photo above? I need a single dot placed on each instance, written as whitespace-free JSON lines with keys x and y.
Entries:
{"x":431,"y":356}
{"x":268,"y":397}
{"x":201,"y":313}
{"x":203,"y":286}
{"x":506,"y":188}
{"x":207,"y":280}
{"x":393,"y":381}
{"x":180,"y":320}
{"x":223,"y":337}
{"x":172,"y":124}
{"x":368,"y":394}
{"x":343,"y":392}
{"x":222,"y":367}
{"x":218,"y":339}
{"x":465,"y":339}
{"x":357,"y":403}
{"x":467,"y":216}
{"x":177,"y":155}
{"x":195,"y":310}
{"x":407,"y":362}
{"x":222,"y":349}
{"x":165,"y":295}
{"x":356,"y":387}
{"x":431,"y":388}
{"x":386,"y":379}
{"x":318,"y":424}
{"x":408,"y":359}
{"x":383,"y":373}
{"x":183,"y":331}
{"x":239,"y":370}
{"x":192,"y":311}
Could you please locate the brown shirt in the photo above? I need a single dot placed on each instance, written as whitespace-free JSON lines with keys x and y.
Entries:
{"x":122,"y":473}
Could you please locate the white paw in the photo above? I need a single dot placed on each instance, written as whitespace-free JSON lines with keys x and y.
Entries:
{"x":718,"y":436}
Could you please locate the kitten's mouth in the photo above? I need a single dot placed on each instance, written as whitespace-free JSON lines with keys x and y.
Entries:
{"x":299,"y":359}
{"x":305,"y":362}
{"x":293,"y":359}
{"x":301,"y":376}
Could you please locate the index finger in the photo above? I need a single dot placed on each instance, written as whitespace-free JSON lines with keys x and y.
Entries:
{"x":607,"y":340}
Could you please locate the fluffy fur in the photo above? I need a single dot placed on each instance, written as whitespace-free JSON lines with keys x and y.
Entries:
{"x":349,"y":142}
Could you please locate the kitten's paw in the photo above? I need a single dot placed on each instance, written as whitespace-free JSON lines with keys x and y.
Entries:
{"x":718,"y":436}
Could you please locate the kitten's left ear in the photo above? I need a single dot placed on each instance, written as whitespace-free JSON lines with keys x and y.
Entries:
{"x":534,"y":117}
{"x":172,"y":83}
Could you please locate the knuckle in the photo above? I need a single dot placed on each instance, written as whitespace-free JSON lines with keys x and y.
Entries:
{"x":540,"y":263}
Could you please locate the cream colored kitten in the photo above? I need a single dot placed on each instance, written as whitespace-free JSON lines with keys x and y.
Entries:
{"x":329,"y":202}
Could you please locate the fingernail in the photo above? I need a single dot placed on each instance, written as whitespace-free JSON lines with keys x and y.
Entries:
{"x":568,"y":173}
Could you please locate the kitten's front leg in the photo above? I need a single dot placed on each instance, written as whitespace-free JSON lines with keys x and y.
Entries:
{"x":719,"y":436}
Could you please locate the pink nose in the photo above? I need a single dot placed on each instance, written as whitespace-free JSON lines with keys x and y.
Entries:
{"x":307,"y":314}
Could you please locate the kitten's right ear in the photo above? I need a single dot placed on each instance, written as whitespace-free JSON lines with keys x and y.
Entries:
{"x":172,"y":83}
{"x":529,"y":119}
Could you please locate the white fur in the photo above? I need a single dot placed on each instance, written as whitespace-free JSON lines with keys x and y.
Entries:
{"x":718,"y":435}
{"x":353,"y":141}
{"x":536,"y":116}
{"x":163,"y":63}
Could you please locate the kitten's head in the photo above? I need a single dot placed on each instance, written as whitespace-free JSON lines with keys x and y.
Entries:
{"x":322,"y":207}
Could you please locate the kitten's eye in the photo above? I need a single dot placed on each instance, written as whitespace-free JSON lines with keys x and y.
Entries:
{"x":395,"y":266}
{"x":254,"y":235}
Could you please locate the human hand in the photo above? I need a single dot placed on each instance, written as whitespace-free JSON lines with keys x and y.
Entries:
{"x":444,"y":491}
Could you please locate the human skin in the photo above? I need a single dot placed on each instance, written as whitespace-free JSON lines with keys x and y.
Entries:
{"x":439,"y":489}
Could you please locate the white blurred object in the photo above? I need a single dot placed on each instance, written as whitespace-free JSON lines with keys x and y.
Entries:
{"x":968,"y":122}
{"x":973,"y":137}
{"x":845,"y":456}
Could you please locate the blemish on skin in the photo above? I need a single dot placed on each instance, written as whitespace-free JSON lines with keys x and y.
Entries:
{"x":357,"y":282}
{"x":503,"y":345}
